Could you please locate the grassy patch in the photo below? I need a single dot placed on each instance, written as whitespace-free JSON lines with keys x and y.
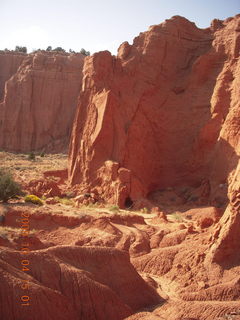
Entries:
{"x":65,"y":201}
{"x":114,"y":208}
{"x":177,"y":217}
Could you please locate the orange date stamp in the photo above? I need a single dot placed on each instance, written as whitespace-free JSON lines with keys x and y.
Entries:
{"x":24,"y":262}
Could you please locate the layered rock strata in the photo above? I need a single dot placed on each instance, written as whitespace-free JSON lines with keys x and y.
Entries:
{"x":9,"y":64}
{"x":40,"y":102}
{"x":163,"y":113}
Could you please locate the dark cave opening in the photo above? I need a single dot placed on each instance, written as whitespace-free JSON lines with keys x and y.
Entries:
{"x":128,"y":203}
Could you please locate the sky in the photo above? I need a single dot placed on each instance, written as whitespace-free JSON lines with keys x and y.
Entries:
{"x":97,"y":25}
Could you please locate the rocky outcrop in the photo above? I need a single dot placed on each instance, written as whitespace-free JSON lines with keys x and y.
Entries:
{"x":163,"y":113}
{"x":40,"y":102}
{"x":9,"y":64}
{"x":225,"y":247}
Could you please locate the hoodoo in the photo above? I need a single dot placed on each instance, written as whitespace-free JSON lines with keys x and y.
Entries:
{"x":163,"y":113}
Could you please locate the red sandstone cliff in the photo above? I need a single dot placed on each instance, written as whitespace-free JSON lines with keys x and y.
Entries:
{"x":163,"y":113}
{"x":9,"y":64}
{"x":40,"y":102}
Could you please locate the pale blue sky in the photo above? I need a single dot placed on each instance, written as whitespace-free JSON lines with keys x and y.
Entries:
{"x":97,"y":24}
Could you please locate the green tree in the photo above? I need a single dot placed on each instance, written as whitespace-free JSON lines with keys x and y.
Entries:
{"x":21,"y":49}
{"x":49,"y":48}
{"x":84,"y":52}
{"x":8,"y":187}
{"x":59,"y":49}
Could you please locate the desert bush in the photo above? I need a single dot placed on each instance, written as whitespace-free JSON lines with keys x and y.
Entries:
{"x":42,"y":154}
{"x":33,"y":199}
{"x":31,"y":156}
{"x":8,"y":187}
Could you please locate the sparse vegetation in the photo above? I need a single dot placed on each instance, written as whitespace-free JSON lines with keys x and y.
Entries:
{"x":59,"y":49}
{"x":11,"y":233}
{"x":31,"y":156}
{"x":144,"y":210}
{"x":8,"y":187}
{"x":93,"y":205}
{"x":6,"y":232}
{"x":64,"y":201}
{"x":21,"y":165}
{"x":114,"y":208}
{"x":70,"y":194}
{"x":67,"y":202}
{"x":33,"y":199}
{"x":84,"y":52}
{"x":21,"y":49}
{"x":177,"y":217}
